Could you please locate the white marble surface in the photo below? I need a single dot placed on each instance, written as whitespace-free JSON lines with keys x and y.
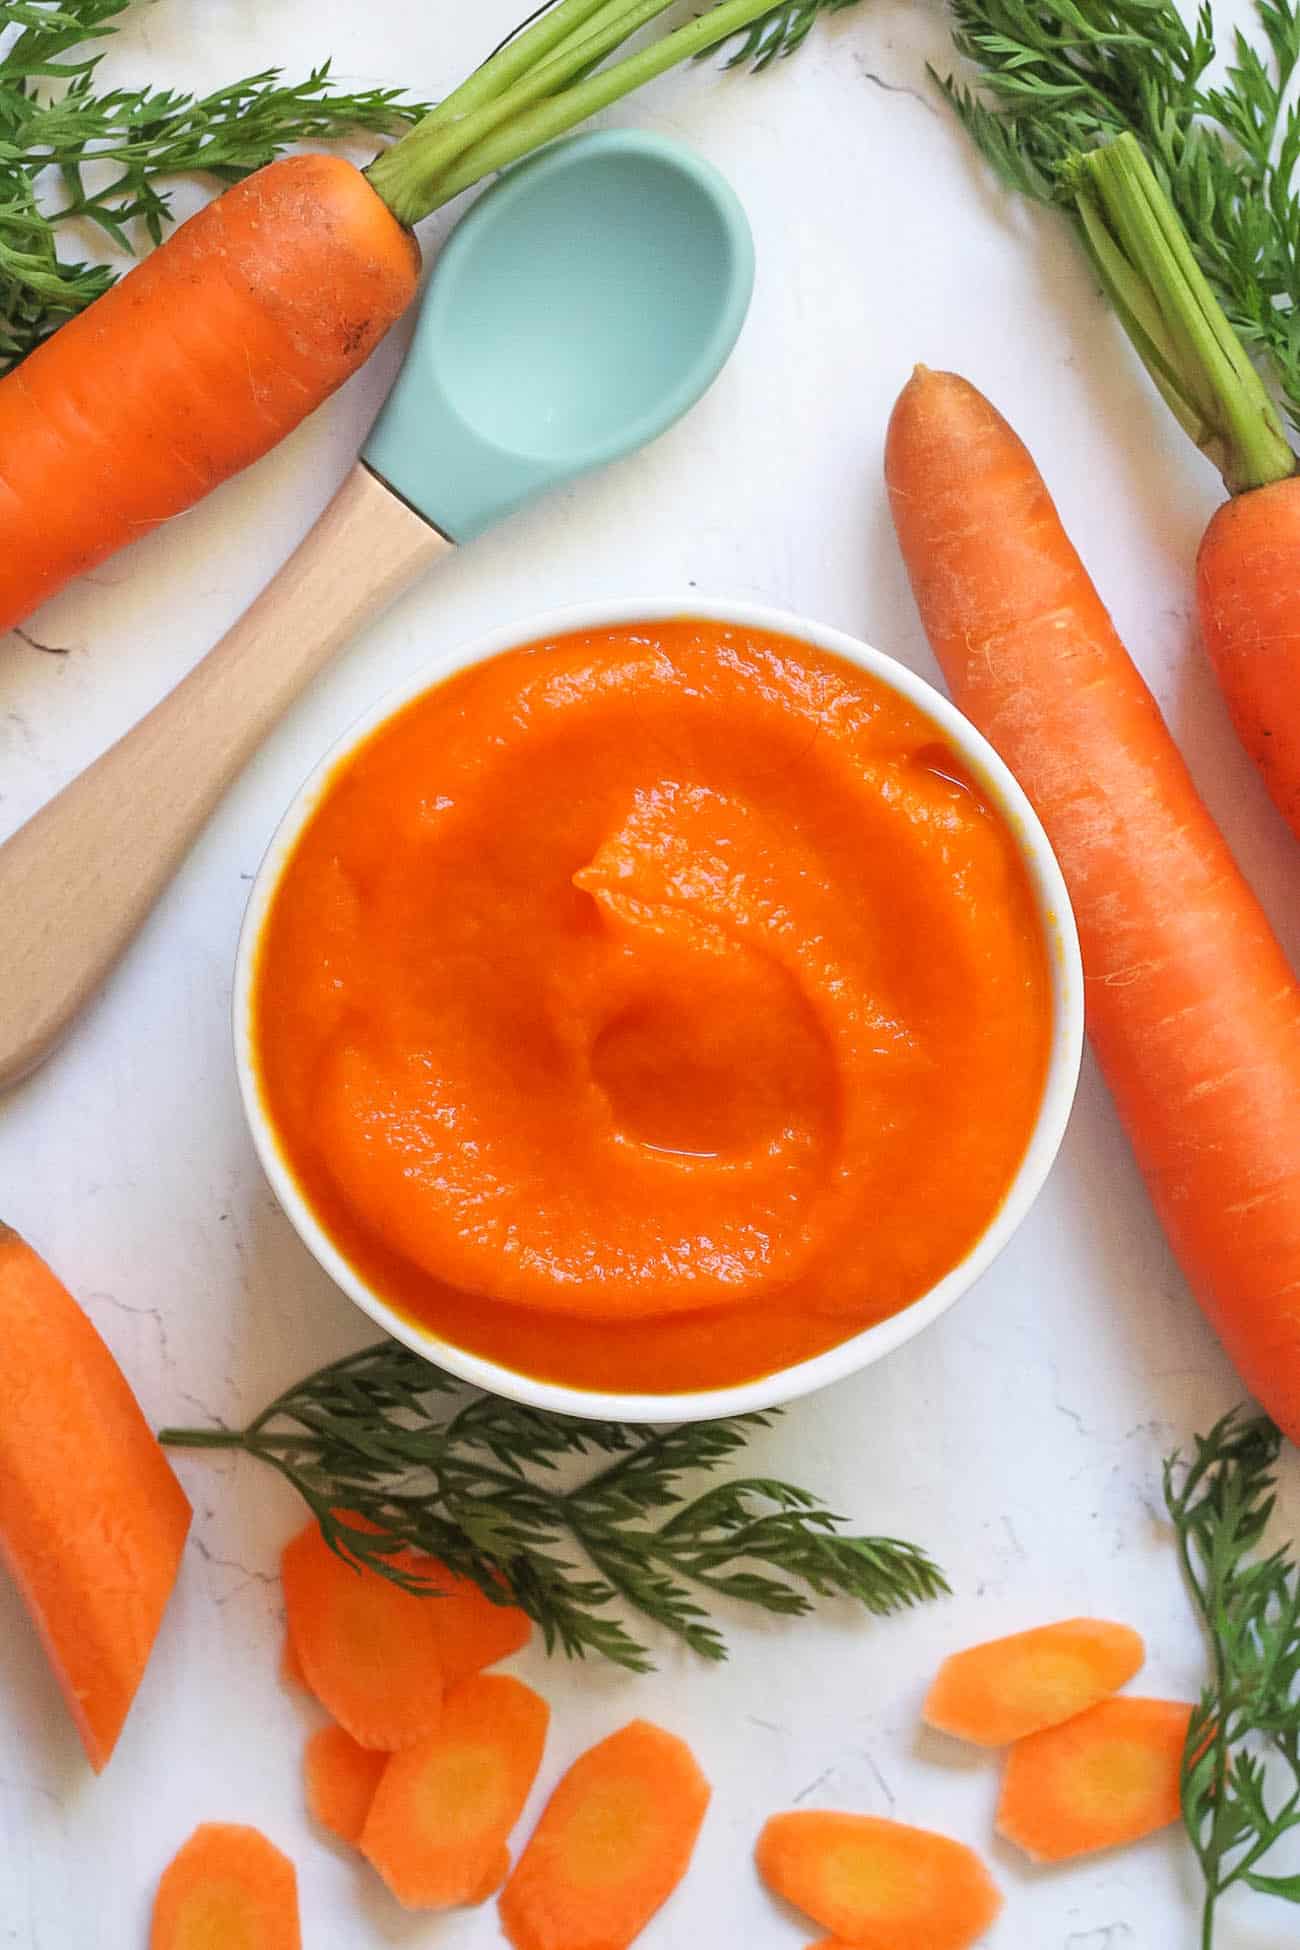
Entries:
{"x":1020,"y":1439}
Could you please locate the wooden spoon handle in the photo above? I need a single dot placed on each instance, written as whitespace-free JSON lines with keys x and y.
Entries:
{"x":78,"y":879}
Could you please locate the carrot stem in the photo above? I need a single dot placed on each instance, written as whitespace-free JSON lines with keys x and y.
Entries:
{"x":414,"y":176}
{"x":1173,"y":318}
{"x":444,"y":140}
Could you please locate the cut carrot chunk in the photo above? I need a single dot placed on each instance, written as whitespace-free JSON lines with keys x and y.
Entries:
{"x":291,"y":1672}
{"x":92,"y":1520}
{"x":878,"y":1883}
{"x":341,"y":1780}
{"x":614,"y":1841}
{"x":472,"y":1631}
{"x":1107,"y":1777}
{"x":368,"y":1649}
{"x":227,"y":1889}
{"x":1007,"y":1688}
{"x":437,"y":1827}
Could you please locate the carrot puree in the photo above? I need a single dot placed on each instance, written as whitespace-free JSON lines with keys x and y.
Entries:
{"x":652,"y":1008}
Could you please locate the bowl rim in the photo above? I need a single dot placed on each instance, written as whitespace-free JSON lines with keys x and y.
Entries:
{"x":872,"y":1343}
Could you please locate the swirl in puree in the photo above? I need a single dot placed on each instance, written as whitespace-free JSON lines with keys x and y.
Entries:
{"x":651,"y":1008}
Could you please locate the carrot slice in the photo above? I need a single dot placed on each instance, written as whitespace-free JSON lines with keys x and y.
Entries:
{"x":472,"y":1631}
{"x":878,"y":1883}
{"x":437,"y":1827}
{"x":1107,"y":1777}
{"x":614,"y":1841}
{"x":227,"y":1889}
{"x":1007,"y":1688}
{"x":341,"y":1781}
{"x":368,"y":1649}
{"x":92,"y":1520}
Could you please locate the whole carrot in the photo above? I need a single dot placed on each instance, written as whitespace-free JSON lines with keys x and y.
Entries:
{"x":214,"y":348}
{"x":204,"y":357}
{"x":1192,"y":1009}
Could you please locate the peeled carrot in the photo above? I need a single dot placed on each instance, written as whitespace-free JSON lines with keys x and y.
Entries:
{"x":227,"y":1889}
{"x":1109,"y":1776}
{"x":92,"y":1520}
{"x":998,"y":1692}
{"x":878,"y":1883}
{"x":1192,"y":1009}
{"x":472,"y":1631}
{"x":614,"y":1841}
{"x":341,"y":1779}
{"x":368,"y":1649}
{"x":203,"y":357}
{"x":437,"y":1827}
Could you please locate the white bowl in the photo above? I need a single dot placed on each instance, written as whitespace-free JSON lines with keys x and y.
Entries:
{"x":873,"y":1342}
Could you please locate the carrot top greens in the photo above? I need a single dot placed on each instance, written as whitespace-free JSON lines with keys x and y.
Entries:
{"x":1241,"y":1768}
{"x":427,"y":1463}
{"x":1060,"y":80}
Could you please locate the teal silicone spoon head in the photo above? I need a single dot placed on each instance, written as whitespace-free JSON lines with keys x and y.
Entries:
{"x":587,"y":300}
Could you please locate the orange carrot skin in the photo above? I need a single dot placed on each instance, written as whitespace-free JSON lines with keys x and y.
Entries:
{"x":92,"y":1519}
{"x":227,"y":1887}
{"x":877,"y":1883}
{"x":1106,"y":1778}
{"x":1193,"y":1011}
{"x":195,"y":364}
{"x":1248,"y":597}
{"x":614,"y":1841}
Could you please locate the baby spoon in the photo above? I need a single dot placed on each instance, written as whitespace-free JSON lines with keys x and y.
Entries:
{"x":586,"y":301}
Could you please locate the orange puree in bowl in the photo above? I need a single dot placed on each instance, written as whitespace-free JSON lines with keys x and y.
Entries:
{"x":650,"y":1009}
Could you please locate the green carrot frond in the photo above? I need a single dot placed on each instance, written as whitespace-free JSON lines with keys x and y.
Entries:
{"x":423,"y":1462}
{"x":1055,"y":77}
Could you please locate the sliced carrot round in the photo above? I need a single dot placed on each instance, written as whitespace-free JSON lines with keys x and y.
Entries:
{"x":367,"y":1648}
{"x":227,"y":1889}
{"x":437,"y":1827}
{"x":878,"y":1883}
{"x":614,"y":1841}
{"x":473,"y":1632}
{"x":1007,"y":1688}
{"x":1107,"y":1777}
{"x":341,"y":1779}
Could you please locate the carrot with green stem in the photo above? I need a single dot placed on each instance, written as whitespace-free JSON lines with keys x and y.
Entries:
{"x":254,"y":311}
{"x":1192,"y":1009}
{"x":1184,"y":192}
